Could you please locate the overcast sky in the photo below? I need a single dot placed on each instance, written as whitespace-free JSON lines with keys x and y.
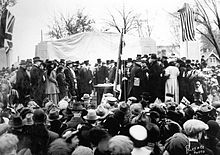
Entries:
{"x":32,"y":16}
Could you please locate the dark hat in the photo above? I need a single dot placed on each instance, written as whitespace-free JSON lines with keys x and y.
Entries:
{"x":68,"y":111}
{"x":99,"y":61}
{"x":153,"y":132}
{"x":164,"y":57}
{"x":107,"y":62}
{"x":188,"y":61}
{"x":29,"y":64}
{"x":153,"y":56}
{"x":25,"y":111}
{"x":123,"y":106}
{"x":145,"y":56}
{"x":29,"y":60}
{"x":86,"y":62}
{"x":16,"y":121}
{"x":189,"y":112}
{"x":76,"y":106}
{"x":214,"y":128}
{"x":54,"y":115}
{"x":23,"y":62}
{"x":35,"y":59}
{"x":129,"y":60}
{"x":138,"y":55}
{"x":112,"y":61}
{"x":177,"y":144}
{"x":39,"y":116}
{"x":49,"y":62}
{"x":154,"y":115}
{"x":173,"y":115}
{"x":62,"y":60}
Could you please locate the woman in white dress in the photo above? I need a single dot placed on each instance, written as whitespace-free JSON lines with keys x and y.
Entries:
{"x":172,"y":85}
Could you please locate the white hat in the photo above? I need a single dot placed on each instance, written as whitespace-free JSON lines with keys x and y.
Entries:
{"x":62,"y":104}
{"x":138,"y":132}
{"x":91,"y":115}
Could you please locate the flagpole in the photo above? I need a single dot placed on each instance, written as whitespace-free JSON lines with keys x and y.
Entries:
{"x":118,"y":63}
{"x":187,"y":49}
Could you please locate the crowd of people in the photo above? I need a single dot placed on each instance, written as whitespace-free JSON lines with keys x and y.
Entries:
{"x":164,"y":107}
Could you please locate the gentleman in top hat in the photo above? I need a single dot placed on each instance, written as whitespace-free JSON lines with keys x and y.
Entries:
{"x":112,"y":71}
{"x":138,"y":57}
{"x":101,"y":76}
{"x":62,"y":62}
{"x":99,"y":61}
{"x":70,"y":78}
{"x":22,"y":85}
{"x":135,"y":82}
{"x":126,"y":76}
{"x":155,"y":71}
{"x":85,"y":79}
{"x":37,"y":81}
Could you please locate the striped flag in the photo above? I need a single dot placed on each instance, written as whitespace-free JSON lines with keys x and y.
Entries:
{"x":6,"y":30}
{"x":187,"y":23}
{"x":118,"y":74}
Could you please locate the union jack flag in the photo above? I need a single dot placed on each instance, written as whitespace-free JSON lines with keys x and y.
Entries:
{"x":6,"y":30}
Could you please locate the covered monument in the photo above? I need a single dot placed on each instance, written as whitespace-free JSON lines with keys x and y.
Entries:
{"x":93,"y":45}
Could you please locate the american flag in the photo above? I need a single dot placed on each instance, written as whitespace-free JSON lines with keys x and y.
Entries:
{"x":7,"y":24}
{"x":118,"y":74}
{"x":187,"y":23}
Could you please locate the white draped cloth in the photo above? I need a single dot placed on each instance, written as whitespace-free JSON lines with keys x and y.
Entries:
{"x":172,"y":85}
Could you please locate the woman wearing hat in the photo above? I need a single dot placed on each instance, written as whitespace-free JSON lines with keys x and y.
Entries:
{"x":62,"y":83}
{"x":172,"y":85}
{"x":52,"y":89}
{"x":214,"y":97}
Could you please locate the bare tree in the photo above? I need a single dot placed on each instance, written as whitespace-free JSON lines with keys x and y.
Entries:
{"x":209,"y":26}
{"x":144,"y":26}
{"x":175,"y":27}
{"x":7,"y":3}
{"x":206,"y":44}
{"x":63,"y":26}
{"x":124,"y":19}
